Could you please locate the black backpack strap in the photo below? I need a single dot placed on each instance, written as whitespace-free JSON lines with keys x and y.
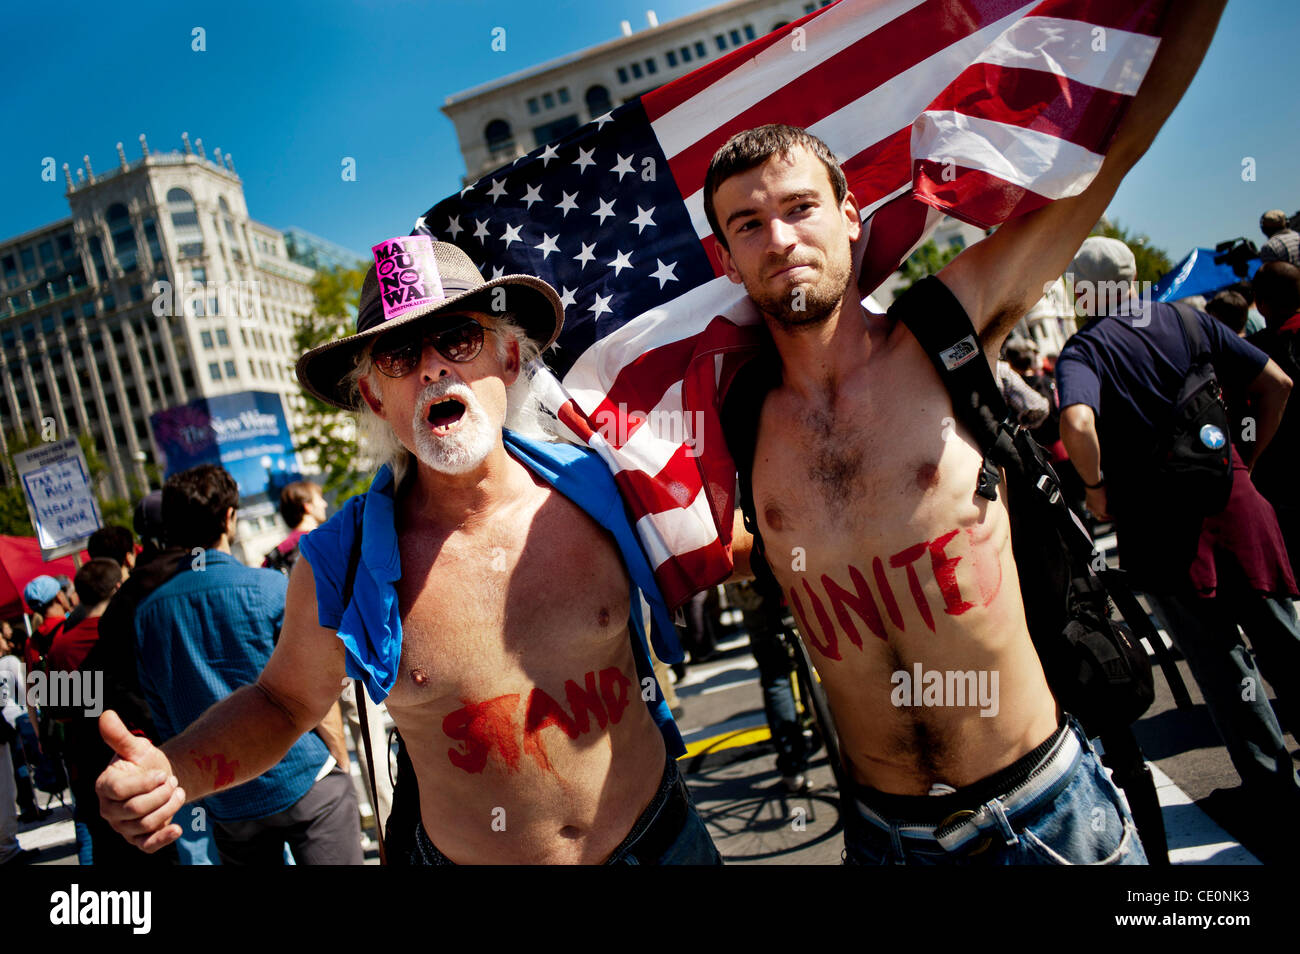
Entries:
{"x":940,"y":324}
{"x":1195,"y":339}
{"x":354,"y":562}
{"x":741,"y":409}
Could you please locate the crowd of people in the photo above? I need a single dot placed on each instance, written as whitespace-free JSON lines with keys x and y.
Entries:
{"x":491,"y":589}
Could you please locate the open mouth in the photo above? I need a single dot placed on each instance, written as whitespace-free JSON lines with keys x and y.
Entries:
{"x":443,"y":415}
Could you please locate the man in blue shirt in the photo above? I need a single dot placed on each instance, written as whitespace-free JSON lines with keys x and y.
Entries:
{"x":1118,"y":378}
{"x":488,"y":587}
{"x":202,"y":635}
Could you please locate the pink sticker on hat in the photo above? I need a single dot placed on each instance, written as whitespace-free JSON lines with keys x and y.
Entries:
{"x":408,"y":274}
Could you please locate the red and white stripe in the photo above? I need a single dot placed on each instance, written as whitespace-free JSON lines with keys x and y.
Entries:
{"x":982,"y":109}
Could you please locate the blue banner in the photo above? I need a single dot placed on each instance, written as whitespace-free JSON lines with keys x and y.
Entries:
{"x":246,"y":433}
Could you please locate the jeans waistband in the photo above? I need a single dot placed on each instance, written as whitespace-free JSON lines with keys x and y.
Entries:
{"x":1030,"y":781}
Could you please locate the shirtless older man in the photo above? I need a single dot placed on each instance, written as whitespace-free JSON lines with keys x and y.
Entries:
{"x":495,"y":604}
{"x":895,"y":569}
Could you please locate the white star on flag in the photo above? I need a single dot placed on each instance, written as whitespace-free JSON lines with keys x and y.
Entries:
{"x":498,"y":190}
{"x":547,"y":155}
{"x":454,"y":227}
{"x":566,"y":297}
{"x":531,"y":195}
{"x":481,"y":229}
{"x":511,"y":234}
{"x":601,"y":120}
{"x":643,"y":218}
{"x":548,"y":246}
{"x":567,"y":204}
{"x":498,"y":271}
{"x":624,"y":167}
{"x":584,"y":159}
{"x":586,"y":255}
{"x":620,"y":262}
{"x":664,"y":272}
{"x":601,"y":305}
{"x":605,"y":211}
{"x":419,"y":224}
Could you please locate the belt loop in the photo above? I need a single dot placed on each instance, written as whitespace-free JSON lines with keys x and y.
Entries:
{"x":896,"y":840}
{"x":1000,"y":818}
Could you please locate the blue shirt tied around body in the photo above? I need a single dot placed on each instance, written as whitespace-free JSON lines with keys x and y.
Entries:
{"x":199,"y":637}
{"x":370,"y":625}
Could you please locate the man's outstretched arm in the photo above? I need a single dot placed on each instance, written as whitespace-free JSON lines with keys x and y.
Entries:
{"x":237,"y":739}
{"x":998,"y":279}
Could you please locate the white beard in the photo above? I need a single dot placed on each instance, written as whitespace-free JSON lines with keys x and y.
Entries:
{"x":463,"y":450}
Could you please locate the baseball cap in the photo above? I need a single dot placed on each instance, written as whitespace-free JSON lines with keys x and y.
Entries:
{"x":41,"y":592}
{"x":1272,"y":220}
{"x":1103,"y":259}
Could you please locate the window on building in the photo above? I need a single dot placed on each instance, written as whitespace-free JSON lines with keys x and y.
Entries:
{"x":230,"y":370}
{"x":47,"y":324}
{"x":206,"y":338}
{"x":65,"y":244}
{"x":88,"y":310}
{"x":47,"y":252}
{"x":749,"y":32}
{"x":651,"y":66}
{"x":151,"y":237}
{"x":562,"y":94}
{"x":498,"y":136}
{"x":252,"y":368}
{"x":721,"y":41}
{"x":533,"y":106}
{"x":671,"y":57}
{"x":243,"y":334}
{"x":109,"y":302}
{"x":598,"y":103}
{"x":222,"y":338}
{"x":10,"y":265}
{"x":735,"y":37}
{"x":29,"y":332}
{"x":136,"y":292}
{"x":549,"y":132}
{"x":214,"y":371}
{"x":122,"y":233}
{"x":778,"y":24}
{"x":199,"y":274}
{"x":700,"y":51}
{"x":29,"y":260}
{"x":548,"y":100}
{"x":187,"y":380}
{"x":636,"y":70}
{"x":622,"y":74}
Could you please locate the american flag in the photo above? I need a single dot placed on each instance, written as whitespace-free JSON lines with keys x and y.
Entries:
{"x":981,"y":109}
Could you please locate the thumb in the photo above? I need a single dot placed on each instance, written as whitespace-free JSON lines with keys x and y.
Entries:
{"x":118,"y":738}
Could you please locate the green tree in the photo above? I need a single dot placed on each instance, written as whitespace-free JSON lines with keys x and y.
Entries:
{"x":331,"y":433}
{"x":926,"y":260}
{"x":1152,"y":262}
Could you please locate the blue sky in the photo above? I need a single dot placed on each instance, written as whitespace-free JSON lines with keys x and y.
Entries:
{"x":289,"y":89}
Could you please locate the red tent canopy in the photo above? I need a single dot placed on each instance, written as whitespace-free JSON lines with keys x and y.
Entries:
{"x":20,"y":563}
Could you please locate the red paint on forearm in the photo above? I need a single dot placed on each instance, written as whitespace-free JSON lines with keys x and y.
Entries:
{"x":225,"y":770}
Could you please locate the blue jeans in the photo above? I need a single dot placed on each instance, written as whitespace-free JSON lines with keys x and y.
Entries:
{"x":668,"y":832}
{"x":1069,"y":813}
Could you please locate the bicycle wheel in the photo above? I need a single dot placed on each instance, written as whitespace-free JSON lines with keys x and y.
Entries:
{"x":810,"y":688}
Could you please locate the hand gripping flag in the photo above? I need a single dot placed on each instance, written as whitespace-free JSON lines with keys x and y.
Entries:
{"x":981,"y":109}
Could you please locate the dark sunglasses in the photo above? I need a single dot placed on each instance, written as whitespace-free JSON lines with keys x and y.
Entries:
{"x":398,"y":354}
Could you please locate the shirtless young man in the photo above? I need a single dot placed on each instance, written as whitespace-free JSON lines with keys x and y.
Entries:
{"x":493,"y":611}
{"x":893,"y":567}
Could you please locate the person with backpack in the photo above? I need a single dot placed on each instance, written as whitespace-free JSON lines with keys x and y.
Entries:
{"x":1145,"y":425}
{"x":1277,"y":295}
{"x":303,"y":509}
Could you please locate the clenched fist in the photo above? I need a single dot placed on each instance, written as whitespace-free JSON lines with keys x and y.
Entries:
{"x":138,"y":792}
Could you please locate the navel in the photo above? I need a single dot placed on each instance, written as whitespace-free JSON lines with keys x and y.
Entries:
{"x":603,"y":616}
{"x":419,"y":677}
